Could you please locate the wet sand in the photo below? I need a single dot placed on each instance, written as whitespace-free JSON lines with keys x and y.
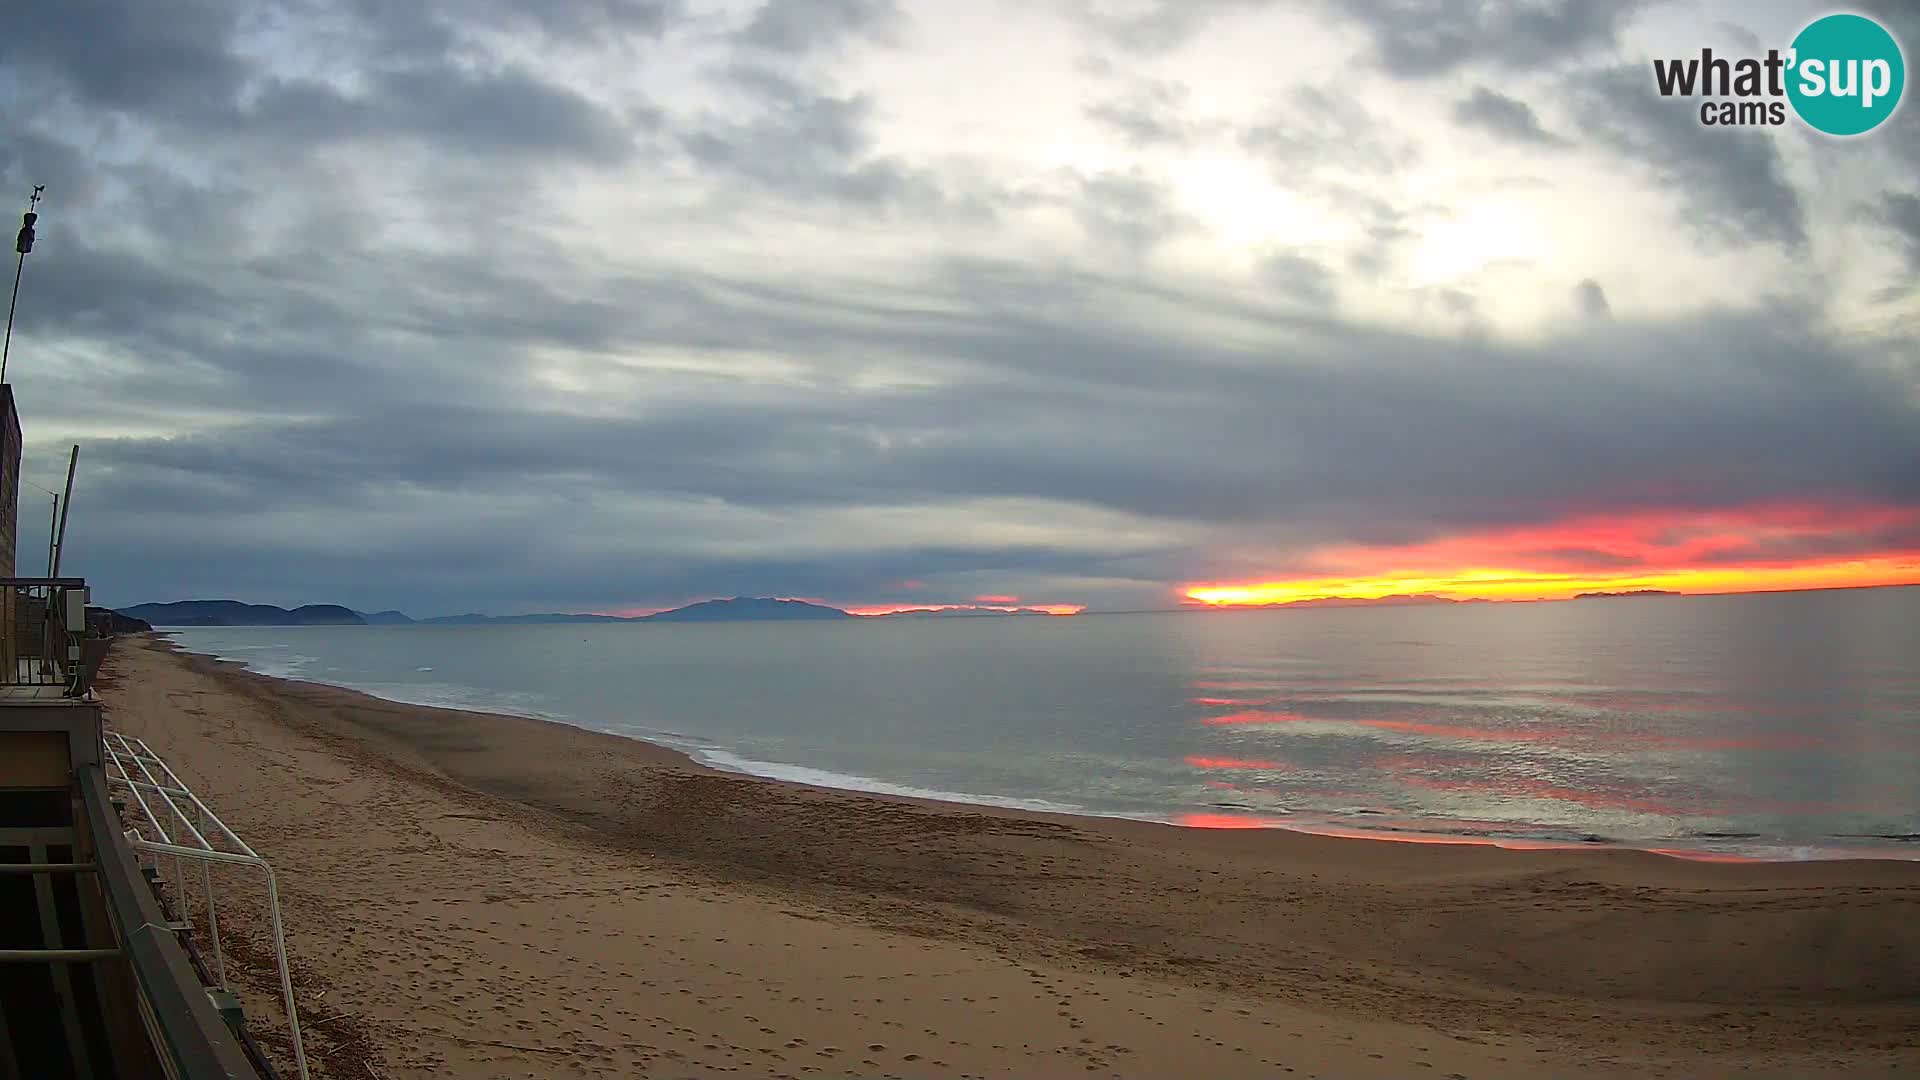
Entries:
{"x":488,"y":896}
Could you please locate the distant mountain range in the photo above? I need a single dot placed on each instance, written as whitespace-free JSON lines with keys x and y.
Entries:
{"x":235,"y":613}
{"x":1622,"y":595}
{"x":738,"y":609}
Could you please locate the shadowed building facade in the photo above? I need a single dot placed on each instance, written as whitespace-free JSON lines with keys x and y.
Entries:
{"x":9,"y":520}
{"x":9,"y":479}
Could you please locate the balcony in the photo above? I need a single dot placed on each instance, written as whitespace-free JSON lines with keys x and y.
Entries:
{"x":46,"y":650}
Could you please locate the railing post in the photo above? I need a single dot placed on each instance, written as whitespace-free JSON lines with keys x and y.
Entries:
{"x":213,"y":916}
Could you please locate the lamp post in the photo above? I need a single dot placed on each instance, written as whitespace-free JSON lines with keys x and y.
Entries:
{"x":22,"y":243}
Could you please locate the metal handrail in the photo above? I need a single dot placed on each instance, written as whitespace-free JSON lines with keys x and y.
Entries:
{"x":122,"y":750}
{"x":175,"y":1008}
{"x":56,"y":956}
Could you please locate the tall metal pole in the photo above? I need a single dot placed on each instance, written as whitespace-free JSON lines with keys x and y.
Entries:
{"x":66,"y":506}
{"x":22,"y":243}
{"x":53,"y":527}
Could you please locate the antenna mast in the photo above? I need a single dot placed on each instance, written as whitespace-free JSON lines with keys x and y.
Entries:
{"x":22,"y":243}
{"x":66,"y":507}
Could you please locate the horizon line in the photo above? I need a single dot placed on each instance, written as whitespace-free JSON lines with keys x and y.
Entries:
{"x":1310,"y":604}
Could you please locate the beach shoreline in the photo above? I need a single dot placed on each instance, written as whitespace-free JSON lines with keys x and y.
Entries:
{"x":1273,"y":944}
{"x":1518,"y":838}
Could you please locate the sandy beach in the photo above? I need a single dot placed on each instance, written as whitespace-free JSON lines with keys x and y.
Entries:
{"x":487,"y":896}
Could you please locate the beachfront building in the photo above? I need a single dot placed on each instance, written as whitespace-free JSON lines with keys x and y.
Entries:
{"x":97,"y":978}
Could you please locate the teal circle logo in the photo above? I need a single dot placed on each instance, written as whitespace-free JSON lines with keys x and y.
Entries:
{"x":1847,"y":74}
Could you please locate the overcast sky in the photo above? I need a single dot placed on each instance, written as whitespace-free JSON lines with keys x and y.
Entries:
{"x":456,"y":305}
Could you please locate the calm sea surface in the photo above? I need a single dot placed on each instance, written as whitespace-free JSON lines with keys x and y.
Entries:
{"x":1786,"y":726}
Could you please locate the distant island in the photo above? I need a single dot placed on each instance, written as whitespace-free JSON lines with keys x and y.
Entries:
{"x":1622,"y":595}
{"x":749,"y":608}
{"x":737,"y":609}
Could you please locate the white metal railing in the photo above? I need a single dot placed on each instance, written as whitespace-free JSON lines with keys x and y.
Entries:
{"x":189,"y":841}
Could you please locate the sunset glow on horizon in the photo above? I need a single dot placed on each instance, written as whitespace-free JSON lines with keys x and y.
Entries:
{"x":1755,"y":549}
{"x":1003,"y":609}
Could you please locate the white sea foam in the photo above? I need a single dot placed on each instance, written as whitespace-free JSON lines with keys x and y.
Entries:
{"x":431,"y":695}
{"x":292,"y":666}
{"x":802,"y":774}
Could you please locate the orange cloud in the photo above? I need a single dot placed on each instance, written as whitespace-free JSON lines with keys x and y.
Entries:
{"x":996,"y":599}
{"x":1751,"y":549}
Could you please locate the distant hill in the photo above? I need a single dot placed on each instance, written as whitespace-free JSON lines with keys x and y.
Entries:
{"x":748,"y":609}
{"x":384,"y":618}
{"x":106,"y":621}
{"x":1622,"y":595}
{"x":235,"y":613}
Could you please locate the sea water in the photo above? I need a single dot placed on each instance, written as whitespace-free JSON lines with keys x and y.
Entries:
{"x":1779,"y":726}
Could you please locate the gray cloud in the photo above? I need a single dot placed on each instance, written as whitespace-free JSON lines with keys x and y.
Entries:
{"x":500,"y":112}
{"x":202,"y":82}
{"x":1147,"y":114}
{"x":1899,"y":211}
{"x":800,"y":26}
{"x":1152,"y":26}
{"x":810,"y":146}
{"x":1747,"y":39}
{"x":1130,"y":212}
{"x":1316,"y":129}
{"x":796,"y":141}
{"x":1300,"y":277}
{"x":1508,"y":118}
{"x":1423,"y":38}
{"x":1376,"y":439}
{"x":1732,"y":181}
{"x":341,"y":338}
{"x":162,"y":60}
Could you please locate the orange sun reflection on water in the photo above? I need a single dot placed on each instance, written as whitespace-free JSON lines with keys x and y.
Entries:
{"x":1200,"y":761}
